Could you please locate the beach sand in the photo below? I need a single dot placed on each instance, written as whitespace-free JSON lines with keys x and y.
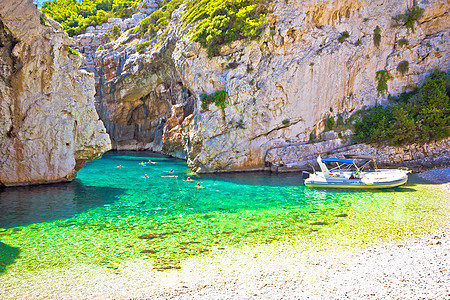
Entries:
{"x":416,"y":268}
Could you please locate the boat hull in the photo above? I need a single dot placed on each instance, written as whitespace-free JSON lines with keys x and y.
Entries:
{"x":368,"y":180}
{"x":357,"y":185}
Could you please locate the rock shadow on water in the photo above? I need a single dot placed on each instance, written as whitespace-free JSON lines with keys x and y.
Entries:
{"x":21,"y":206}
{"x":8,"y":255}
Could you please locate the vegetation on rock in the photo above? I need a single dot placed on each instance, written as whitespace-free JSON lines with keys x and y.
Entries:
{"x":75,"y":16}
{"x":219,"y":98}
{"x":377,"y":36}
{"x":73,"y":51}
{"x":222,"y":22}
{"x":115,"y":33}
{"x":409,"y":18}
{"x":382,"y":78}
{"x":141,"y":47}
{"x":403,"y":42}
{"x":159,"y":19}
{"x":416,"y":117}
{"x":344,"y":35}
{"x":329,"y":123}
{"x":403,"y":67}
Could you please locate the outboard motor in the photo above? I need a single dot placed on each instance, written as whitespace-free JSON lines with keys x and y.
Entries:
{"x":305,"y":175}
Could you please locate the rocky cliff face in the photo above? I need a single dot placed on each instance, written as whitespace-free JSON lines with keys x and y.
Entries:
{"x":48,"y":123}
{"x":281,"y":88}
{"x":287,"y":84}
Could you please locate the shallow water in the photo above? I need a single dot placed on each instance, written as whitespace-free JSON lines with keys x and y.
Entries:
{"x":109,"y":215}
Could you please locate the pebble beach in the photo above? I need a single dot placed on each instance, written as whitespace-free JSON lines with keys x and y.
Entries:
{"x":413,"y":268}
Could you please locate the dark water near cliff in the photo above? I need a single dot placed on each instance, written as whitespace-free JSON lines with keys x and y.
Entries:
{"x":111,"y":214}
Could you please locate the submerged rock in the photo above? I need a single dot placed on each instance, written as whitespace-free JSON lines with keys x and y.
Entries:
{"x":149,"y":236}
{"x":48,"y":124}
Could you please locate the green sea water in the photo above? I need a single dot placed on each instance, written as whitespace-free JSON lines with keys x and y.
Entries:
{"x":113,"y":214}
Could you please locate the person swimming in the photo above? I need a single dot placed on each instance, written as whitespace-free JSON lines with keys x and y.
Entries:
{"x":145,"y":176}
{"x":142,"y":163}
{"x":189,"y":179}
{"x":199,"y":186}
{"x":119,"y":166}
{"x":171,"y":171}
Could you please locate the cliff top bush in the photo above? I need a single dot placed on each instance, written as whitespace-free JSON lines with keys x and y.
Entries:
{"x":416,"y":117}
{"x":222,"y":22}
{"x":159,"y":19}
{"x":76,"y":16}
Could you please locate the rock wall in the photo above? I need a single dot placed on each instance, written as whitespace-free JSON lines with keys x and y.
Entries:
{"x":48,"y":123}
{"x":281,"y":87}
{"x":415,"y":157}
{"x":299,"y":73}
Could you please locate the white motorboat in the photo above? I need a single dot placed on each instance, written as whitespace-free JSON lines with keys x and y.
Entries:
{"x":348,"y":175}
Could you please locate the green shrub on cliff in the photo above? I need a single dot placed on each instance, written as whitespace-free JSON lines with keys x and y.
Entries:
{"x":382,"y":78}
{"x":219,"y":98}
{"x":141,"y":47}
{"x":416,"y":117}
{"x":377,"y":36}
{"x":409,"y":18}
{"x":222,"y":22}
{"x":159,"y":19}
{"x":75,"y":16}
{"x":403,"y":67}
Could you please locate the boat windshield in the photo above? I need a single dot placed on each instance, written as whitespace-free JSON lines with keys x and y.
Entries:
{"x":349,"y":164}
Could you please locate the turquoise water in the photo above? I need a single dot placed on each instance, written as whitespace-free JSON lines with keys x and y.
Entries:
{"x":112,"y":214}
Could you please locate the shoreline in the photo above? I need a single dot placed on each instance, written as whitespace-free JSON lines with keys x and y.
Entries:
{"x":415,"y":268}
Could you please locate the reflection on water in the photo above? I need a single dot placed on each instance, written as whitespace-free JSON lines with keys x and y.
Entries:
{"x":26,"y":205}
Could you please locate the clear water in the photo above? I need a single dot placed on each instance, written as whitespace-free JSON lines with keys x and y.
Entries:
{"x":109,"y":215}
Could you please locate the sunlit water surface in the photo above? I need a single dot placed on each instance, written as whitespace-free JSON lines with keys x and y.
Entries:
{"x":111,"y":214}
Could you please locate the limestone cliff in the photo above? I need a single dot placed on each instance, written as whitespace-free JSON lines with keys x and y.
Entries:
{"x":303,"y":70}
{"x":48,"y":123}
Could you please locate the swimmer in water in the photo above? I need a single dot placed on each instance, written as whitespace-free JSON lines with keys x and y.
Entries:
{"x":199,"y":186}
{"x":142,"y":163}
{"x":145,"y":176}
{"x":119,"y":166}
{"x":188,"y":179}
{"x":171,"y":171}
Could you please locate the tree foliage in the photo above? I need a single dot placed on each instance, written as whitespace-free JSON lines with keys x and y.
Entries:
{"x":416,"y":117}
{"x":75,"y":16}
{"x":159,"y":19}
{"x":222,"y":22}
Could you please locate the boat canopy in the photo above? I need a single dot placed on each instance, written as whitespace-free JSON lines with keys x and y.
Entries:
{"x":337,"y":160}
{"x":355,"y":156}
